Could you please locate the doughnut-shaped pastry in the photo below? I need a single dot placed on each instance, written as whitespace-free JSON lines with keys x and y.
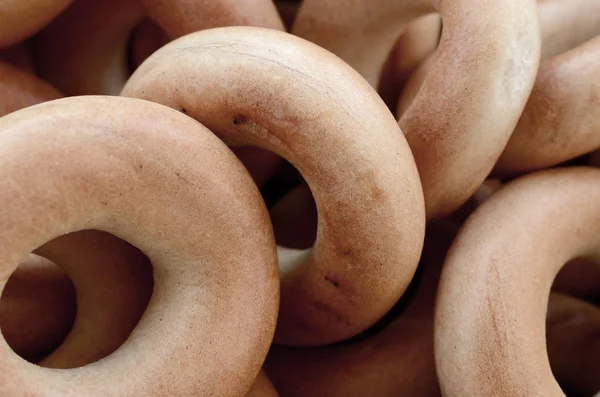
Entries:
{"x":396,"y":361}
{"x":364,"y":33}
{"x":482,"y":74}
{"x":37,"y":308}
{"x":261,"y":87}
{"x":180,"y":17}
{"x":565,"y":24}
{"x":112,"y":294}
{"x":21,"y":89}
{"x":22,"y":18}
{"x":86,"y":50}
{"x":162,"y":182}
{"x":572,"y":329}
{"x":560,"y":121}
{"x":492,"y":299}
{"x":415,"y":44}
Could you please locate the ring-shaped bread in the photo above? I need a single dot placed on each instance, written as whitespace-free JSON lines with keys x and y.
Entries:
{"x":482,"y":73}
{"x":112,"y":294}
{"x":270,"y":89}
{"x":89,"y":49}
{"x":490,"y":320}
{"x":162,"y":182}
{"x":560,"y":121}
{"x":396,"y":360}
{"x":86,"y":50}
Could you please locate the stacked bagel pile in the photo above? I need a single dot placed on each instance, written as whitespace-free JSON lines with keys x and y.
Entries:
{"x":237,"y":198}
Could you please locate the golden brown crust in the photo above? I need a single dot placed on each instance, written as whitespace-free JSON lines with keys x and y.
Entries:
{"x":112,"y":294}
{"x":492,"y":299}
{"x":162,"y":182}
{"x":396,"y":361}
{"x":482,"y":73}
{"x":273,"y":90}
{"x":560,"y":121}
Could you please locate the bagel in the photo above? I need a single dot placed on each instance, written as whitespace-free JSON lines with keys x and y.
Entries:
{"x":564,"y":24}
{"x":89,"y":50}
{"x":38,"y":305}
{"x":22,"y":18}
{"x":560,"y":121}
{"x":111,"y":295}
{"x":399,"y":359}
{"x":86,"y":50}
{"x":493,"y":293}
{"x":163,"y":183}
{"x":396,"y":361}
{"x":482,"y":73}
{"x":265,"y":88}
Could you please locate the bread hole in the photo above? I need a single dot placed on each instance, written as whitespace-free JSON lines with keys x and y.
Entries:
{"x":292,"y":208}
{"x":573,"y":328}
{"x":75,"y":300}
